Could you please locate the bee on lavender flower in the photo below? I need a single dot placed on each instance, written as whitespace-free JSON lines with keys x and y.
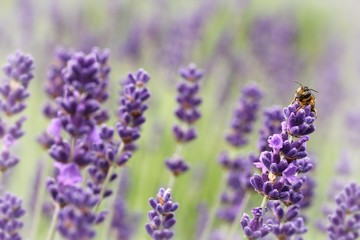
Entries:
{"x":305,"y":97}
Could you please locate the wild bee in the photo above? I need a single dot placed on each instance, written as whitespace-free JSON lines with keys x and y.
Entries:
{"x":305,"y":97}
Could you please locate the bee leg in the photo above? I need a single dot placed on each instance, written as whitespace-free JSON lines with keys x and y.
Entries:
{"x":314,"y":111}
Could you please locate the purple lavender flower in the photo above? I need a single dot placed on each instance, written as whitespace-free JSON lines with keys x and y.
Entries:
{"x":232,"y":198}
{"x":13,"y":92}
{"x":189,"y":102}
{"x":244,"y":116}
{"x":162,"y":217}
{"x":55,"y":80}
{"x":76,"y":219}
{"x":79,"y":105}
{"x":345,"y":220}
{"x":281,"y":167}
{"x":188,"y":113}
{"x":19,"y":72}
{"x":272,"y":124}
{"x":255,"y":228}
{"x":109,"y":152}
{"x":343,"y":170}
{"x":176,"y":165}
{"x":76,"y":216}
{"x":11,"y":211}
{"x":132,"y":107}
{"x":286,"y":223}
{"x":300,"y":121}
{"x":308,"y":192}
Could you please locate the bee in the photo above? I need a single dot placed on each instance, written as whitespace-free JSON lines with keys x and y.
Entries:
{"x":305,"y":97}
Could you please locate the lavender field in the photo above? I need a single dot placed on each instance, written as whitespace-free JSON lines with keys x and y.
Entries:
{"x":158,"y":119}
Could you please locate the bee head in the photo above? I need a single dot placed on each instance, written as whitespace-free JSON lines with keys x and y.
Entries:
{"x":304,"y":90}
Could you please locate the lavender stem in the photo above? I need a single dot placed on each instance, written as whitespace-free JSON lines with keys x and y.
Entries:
{"x":171,"y":181}
{"x":107,"y":179}
{"x":263,"y":203}
{"x":178,"y":149}
{"x":38,"y":206}
{"x":52,"y":229}
{"x":108,"y":231}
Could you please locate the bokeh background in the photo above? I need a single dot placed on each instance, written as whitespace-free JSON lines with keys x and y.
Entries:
{"x":272,"y":43}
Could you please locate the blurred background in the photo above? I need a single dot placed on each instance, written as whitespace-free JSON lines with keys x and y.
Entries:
{"x":271,"y":43}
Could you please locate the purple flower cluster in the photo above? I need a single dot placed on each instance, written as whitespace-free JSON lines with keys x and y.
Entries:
{"x":14,"y":90}
{"x":345,"y":220}
{"x":286,"y":222}
{"x":11,"y":211}
{"x":239,"y":167}
{"x":76,"y":218}
{"x":162,"y":217}
{"x":79,"y":107}
{"x":273,"y":117}
{"x":83,"y":79}
{"x":239,"y":173}
{"x":13,"y":93}
{"x":78,"y":112}
{"x":188,"y":113}
{"x":282,"y":165}
{"x":55,"y":81}
{"x":132,"y":108}
{"x":343,"y":170}
{"x":244,"y":116}
{"x":254,"y":228}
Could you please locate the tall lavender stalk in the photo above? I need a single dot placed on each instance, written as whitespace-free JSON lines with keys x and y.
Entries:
{"x":344,"y":222}
{"x":89,"y":146}
{"x":78,"y":112}
{"x":280,"y":182}
{"x":188,"y":113}
{"x":14,"y":91}
{"x":233,"y":197}
{"x":162,"y":217}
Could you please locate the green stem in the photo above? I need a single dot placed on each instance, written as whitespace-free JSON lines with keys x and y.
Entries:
{"x":235,"y":224}
{"x":107,"y":178}
{"x":178,"y":150}
{"x":107,"y":224}
{"x":104,"y":186}
{"x":263,"y":204}
{"x":52,"y":229}
{"x":39,"y":201}
{"x":171,"y":181}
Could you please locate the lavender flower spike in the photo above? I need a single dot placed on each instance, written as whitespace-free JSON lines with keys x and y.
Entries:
{"x":161,"y":218}
{"x":189,"y":102}
{"x":244,"y":116}
{"x":300,"y":121}
{"x":254,"y":228}
{"x":345,"y":221}
{"x":11,"y":210}
{"x":19,"y":72}
{"x":188,"y":113}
